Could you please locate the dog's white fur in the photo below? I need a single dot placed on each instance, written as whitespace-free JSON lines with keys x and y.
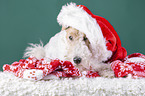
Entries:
{"x":62,"y":48}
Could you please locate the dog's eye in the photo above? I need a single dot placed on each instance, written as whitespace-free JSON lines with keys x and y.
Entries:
{"x":67,"y":27}
{"x":70,"y":37}
{"x":85,"y":38}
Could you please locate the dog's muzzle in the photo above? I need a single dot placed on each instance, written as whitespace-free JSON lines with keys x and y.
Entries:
{"x":77,"y":60}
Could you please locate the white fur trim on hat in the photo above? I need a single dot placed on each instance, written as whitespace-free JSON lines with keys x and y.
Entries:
{"x":74,"y":16}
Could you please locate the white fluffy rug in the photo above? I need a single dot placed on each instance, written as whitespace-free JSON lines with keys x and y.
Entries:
{"x":13,"y":86}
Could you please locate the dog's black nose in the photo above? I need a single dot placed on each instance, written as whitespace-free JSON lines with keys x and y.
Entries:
{"x":77,"y":60}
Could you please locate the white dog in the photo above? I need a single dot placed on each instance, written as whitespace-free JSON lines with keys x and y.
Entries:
{"x":81,"y":41}
{"x":74,"y":47}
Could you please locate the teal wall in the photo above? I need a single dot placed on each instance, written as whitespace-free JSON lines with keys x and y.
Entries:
{"x":29,"y":21}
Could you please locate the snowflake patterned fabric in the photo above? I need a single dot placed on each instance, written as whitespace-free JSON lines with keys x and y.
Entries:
{"x":133,"y":64}
{"x":35,"y":69}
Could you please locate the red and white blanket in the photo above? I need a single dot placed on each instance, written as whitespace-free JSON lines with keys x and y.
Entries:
{"x":133,"y":64}
{"x":34,"y":69}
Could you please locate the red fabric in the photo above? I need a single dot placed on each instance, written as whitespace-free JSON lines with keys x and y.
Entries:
{"x":113,"y":41}
{"x":55,"y":67}
{"x":66,"y":68}
{"x":135,"y":68}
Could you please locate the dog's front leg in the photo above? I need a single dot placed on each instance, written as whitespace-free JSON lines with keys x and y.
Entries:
{"x":106,"y":71}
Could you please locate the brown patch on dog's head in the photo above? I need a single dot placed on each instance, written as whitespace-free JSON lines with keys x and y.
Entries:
{"x":73,"y":35}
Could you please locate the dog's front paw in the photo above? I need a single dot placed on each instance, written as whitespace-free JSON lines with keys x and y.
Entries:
{"x":107,"y":74}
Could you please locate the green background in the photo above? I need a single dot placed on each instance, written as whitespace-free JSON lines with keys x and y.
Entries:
{"x":29,"y":21}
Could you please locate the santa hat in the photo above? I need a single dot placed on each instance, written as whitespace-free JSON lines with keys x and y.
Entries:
{"x":104,"y":40}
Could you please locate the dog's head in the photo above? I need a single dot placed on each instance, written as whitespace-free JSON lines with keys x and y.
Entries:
{"x":79,"y":51}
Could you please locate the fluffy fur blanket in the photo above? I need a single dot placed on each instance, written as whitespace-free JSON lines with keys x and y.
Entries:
{"x":14,"y":86}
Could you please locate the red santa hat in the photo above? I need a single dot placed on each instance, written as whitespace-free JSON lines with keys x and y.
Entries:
{"x":104,"y":40}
